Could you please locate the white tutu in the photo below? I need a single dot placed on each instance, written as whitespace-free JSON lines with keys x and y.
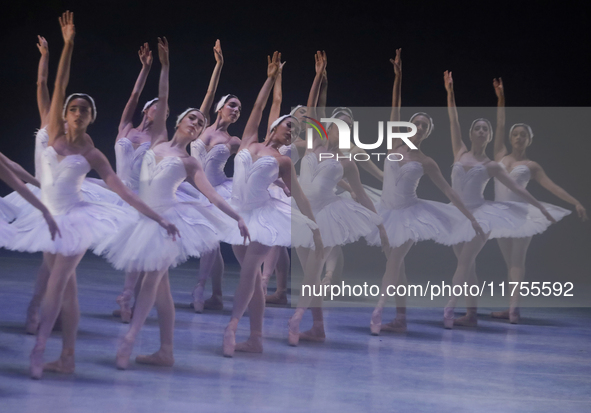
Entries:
{"x":8,"y":212}
{"x":7,"y":234}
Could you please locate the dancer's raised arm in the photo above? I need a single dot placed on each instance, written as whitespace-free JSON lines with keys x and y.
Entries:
{"x":146,"y":59}
{"x":322,"y":96}
{"x":158,"y":132}
{"x":19,"y":171}
{"x":499,"y":145}
{"x":275,"y":111}
{"x":215,"y":79}
{"x":320,"y":66}
{"x":55,"y":126}
{"x":12,"y":181}
{"x":457,"y":144}
{"x":43,"y":98}
{"x":396,"y":89}
{"x":250,"y":134}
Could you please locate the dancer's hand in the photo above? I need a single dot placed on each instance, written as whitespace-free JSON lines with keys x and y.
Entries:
{"x":67,"y":23}
{"x":448,"y":81}
{"x":170,"y":228}
{"x":273,"y":64}
{"x":385,"y":241}
{"x":318,"y":245}
{"x":397,"y":62}
{"x":479,"y":231}
{"x":42,"y":46}
{"x":53,"y":228}
{"x":217,"y":52}
{"x":286,"y":190}
{"x":145,"y":55}
{"x":320,"y":64}
{"x":499,"y":90}
{"x":243,"y":230}
{"x":547,"y":215}
{"x":163,"y":51}
{"x":582,"y":212}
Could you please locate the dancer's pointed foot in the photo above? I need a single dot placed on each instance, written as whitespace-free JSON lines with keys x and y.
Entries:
{"x":36,"y":361}
{"x":293,"y":333}
{"x":124,"y":353}
{"x":448,"y":318}
{"x":229,"y":344}
{"x":254,"y":344}
{"x":278,"y":298}
{"x":215,"y":303}
{"x":160,"y":358}
{"x":500,"y":314}
{"x":65,"y":364}
{"x":375,"y":325}
{"x":398,"y":325}
{"x":315,"y":334}
{"x":198,"y":301}
{"x":468,"y":320}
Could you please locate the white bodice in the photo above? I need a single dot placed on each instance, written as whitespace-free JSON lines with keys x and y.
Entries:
{"x":470,"y":184}
{"x":400,"y":183}
{"x":251,"y":180}
{"x":160,"y":180}
{"x":520,"y":174}
{"x":41,"y":139}
{"x":129,"y":162}
{"x":319,"y":180}
{"x":213,"y":162}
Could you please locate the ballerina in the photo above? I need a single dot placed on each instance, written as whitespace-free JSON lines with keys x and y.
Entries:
{"x":341,"y":221}
{"x":514,"y":244}
{"x":165,"y":166}
{"x":256,"y":166}
{"x":471,"y":171}
{"x":69,"y":156}
{"x":407,"y":218}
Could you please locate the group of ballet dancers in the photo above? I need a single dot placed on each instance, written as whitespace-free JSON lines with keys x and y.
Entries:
{"x":187,"y":205}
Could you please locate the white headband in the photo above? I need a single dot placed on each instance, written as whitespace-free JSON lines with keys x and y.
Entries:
{"x":82,"y":96}
{"x":221,"y":102}
{"x":294,"y":110}
{"x":527,"y":127}
{"x":182,"y":115}
{"x":149,"y":103}
{"x":487,"y":122}
{"x":431,"y":124}
{"x":343,"y":110}
{"x":278,"y":121}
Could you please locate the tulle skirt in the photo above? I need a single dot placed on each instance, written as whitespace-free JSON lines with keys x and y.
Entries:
{"x":536,"y":222}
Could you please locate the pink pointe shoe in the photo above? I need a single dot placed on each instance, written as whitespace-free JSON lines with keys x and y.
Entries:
{"x":123,"y":354}
{"x":36,"y":361}
{"x":198,"y":301}
{"x":448,"y":318}
{"x":124,"y":301}
{"x":293,"y":332}
{"x":229,"y":345}
{"x":375,"y":325}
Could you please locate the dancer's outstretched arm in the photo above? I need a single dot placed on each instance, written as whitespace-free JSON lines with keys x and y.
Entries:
{"x":432,"y":170}
{"x":196,"y":177}
{"x":215,"y":79}
{"x":19,"y":171}
{"x":275,"y":111}
{"x":457,"y":144}
{"x":43,"y":98}
{"x":12,"y":181}
{"x":250,"y":134}
{"x":500,"y":147}
{"x":55,"y":127}
{"x":319,"y":65}
{"x":158,"y":132}
{"x":125,"y":124}
{"x":286,"y":171}
{"x":396,"y":89}
{"x":498,"y":172}
{"x":540,"y":176}
{"x":322,"y":96}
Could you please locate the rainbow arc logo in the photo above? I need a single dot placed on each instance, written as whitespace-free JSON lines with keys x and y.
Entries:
{"x":317,"y":127}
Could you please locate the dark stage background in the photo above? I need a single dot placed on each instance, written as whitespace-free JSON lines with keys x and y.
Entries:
{"x":541,"y":51}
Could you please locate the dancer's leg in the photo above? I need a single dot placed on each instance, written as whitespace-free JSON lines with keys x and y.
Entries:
{"x":392,"y":277}
{"x":282,"y":266}
{"x":334,"y":266}
{"x":251,"y":258}
{"x":269,"y":265}
{"x":206,"y":264}
{"x":216,"y":302}
{"x":124,"y":299}
{"x":145,"y":302}
{"x":165,"y":307}
{"x":32,"y":323}
{"x":61,"y":269}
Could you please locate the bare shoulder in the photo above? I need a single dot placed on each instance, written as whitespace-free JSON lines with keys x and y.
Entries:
{"x":493,"y":167}
{"x":429,"y":165}
{"x":191,"y":164}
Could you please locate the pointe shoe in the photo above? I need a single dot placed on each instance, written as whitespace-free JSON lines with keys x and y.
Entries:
{"x":123,"y":354}
{"x":65,"y":364}
{"x":500,"y":314}
{"x":448,"y":318}
{"x":375,"y":325}
{"x":156,"y":359}
{"x":229,"y":344}
{"x":315,"y":334}
{"x":36,"y":361}
{"x":278,"y":298}
{"x":254,"y":344}
{"x":398,"y":325}
{"x":198,"y":301}
{"x":293,"y":333}
{"x":468,"y":320}
{"x":125,"y":312}
{"x":514,"y":316}
{"x":215,"y":303}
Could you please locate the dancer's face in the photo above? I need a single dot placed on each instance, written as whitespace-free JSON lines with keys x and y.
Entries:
{"x":231,"y":110}
{"x":78,"y":114}
{"x":519,"y":137}
{"x":481,"y":133}
{"x":282,"y":132}
{"x":192,"y":125}
{"x":300,"y":113}
{"x":422,"y":123}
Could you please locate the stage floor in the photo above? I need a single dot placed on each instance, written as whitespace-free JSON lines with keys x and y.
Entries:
{"x":541,"y":365}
